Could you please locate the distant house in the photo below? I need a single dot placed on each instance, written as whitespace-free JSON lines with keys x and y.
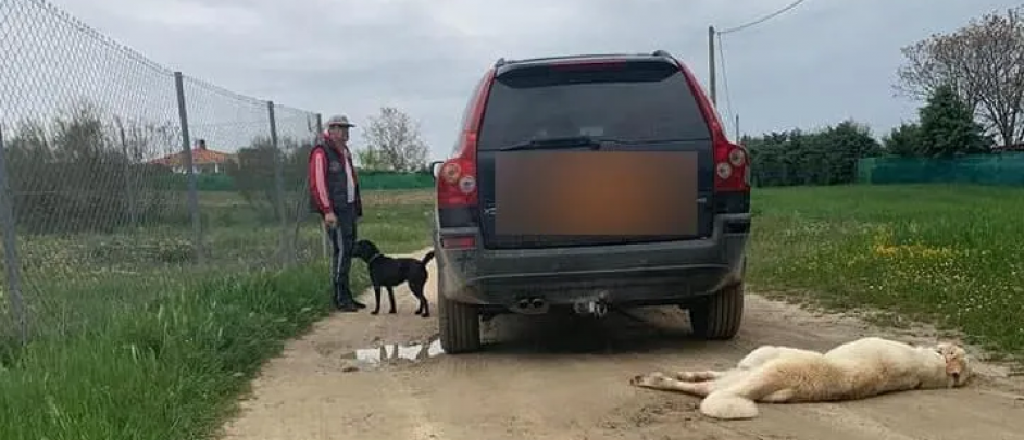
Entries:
{"x":204,"y":160}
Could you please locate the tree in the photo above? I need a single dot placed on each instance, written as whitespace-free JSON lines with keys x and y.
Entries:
{"x":844,"y":146}
{"x":395,"y":140}
{"x":80,"y":173}
{"x":948,"y":127}
{"x":982,"y":62}
{"x":903,"y":141}
{"x":826,"y":157}
{"x":254,"y":175}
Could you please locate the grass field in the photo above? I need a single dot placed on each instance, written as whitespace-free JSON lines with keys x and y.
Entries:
{"x":952,"y":255}
{"x":133,"y":341}
{"x":72,"y":280}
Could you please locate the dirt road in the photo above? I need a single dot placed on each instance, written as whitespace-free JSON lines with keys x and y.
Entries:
{"x":358,"y":376}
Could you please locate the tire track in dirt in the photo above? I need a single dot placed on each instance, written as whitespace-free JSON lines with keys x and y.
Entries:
{"x":566,"y":378}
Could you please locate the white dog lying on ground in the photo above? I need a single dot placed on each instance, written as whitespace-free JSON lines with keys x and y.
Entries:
{"x":858,"y":369}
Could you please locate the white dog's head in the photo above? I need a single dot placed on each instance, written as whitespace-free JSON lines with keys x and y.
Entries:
{"x":958,"y":365}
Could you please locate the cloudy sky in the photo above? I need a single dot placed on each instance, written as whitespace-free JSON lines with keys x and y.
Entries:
{"x":825,"y":61}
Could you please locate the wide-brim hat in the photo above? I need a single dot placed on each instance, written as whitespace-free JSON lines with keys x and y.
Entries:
{"x":339,"y":120}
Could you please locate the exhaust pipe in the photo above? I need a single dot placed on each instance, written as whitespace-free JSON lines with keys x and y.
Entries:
{"x":531,"y":306}
{"x":523,"y":304}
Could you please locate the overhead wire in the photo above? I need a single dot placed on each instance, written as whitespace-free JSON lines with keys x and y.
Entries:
{"x":721,"y":51}
{"x":725,"y":84}
{"x":762,"y":19}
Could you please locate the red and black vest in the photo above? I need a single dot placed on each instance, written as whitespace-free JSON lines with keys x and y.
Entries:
{"x":337,"y":183}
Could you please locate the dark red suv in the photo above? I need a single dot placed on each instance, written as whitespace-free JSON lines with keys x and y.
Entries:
{"x":590,"y":182}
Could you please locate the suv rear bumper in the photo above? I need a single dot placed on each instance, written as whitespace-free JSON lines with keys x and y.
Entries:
{"x":634,"y":274}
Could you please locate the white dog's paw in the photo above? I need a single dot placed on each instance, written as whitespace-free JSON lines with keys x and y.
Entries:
{"x":650,"y":380}
{"x":696,"y":376}
{"x":688,"y":376}
{"x":728,"y":407}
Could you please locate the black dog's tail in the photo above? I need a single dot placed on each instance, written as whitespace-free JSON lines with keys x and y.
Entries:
{"x":428,"y":257}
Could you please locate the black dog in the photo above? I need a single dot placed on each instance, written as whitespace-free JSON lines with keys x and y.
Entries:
{"x":390,"y":272}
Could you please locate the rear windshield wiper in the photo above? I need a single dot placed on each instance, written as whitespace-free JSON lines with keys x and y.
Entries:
{"x":655,"y":141}
{"x":559,"y":143}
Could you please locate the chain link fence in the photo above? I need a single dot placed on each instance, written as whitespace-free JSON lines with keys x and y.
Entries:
{"x":112,"y":171}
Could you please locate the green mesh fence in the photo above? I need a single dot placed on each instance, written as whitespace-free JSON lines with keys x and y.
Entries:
{"x":388,"y":180}
{"x":368,"y":179}
{"x":1004,"y":169}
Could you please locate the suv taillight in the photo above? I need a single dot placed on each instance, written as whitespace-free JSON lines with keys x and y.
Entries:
{"x":456,"y":180}
{"x":732,"y":162}
{"x":732,"y":166}
{"x":456,"y":184}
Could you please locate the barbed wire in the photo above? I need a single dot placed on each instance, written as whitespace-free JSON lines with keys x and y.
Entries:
{"x":95,"y":169}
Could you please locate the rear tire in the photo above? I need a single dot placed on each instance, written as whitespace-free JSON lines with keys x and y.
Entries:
{"x":719,"y":317}
{"x":458,"y":323}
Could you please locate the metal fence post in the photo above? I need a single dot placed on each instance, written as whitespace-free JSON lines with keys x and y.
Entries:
{"x":319,"y":132}
{"x":129,"y":187}
{"x":10,"y":240}
{"x":193,"y":182}
{"x":285,"y":248}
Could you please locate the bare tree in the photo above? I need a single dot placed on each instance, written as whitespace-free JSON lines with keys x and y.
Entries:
{"x":393,"y":139}
{"x":982,"y":61}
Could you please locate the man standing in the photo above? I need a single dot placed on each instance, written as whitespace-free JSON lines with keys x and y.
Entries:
{"x":334,"y":189}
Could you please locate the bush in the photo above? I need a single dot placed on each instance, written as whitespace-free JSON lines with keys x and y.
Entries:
{"x":81,"y":165}
{"x":826,"y":157}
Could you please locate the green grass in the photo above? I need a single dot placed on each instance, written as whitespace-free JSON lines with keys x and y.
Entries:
{"x":951,"y":255}
{"x":71,"y":280}
{"x":158,"y":348}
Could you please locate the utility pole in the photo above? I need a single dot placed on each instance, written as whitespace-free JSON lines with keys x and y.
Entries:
{"x":737,"y":127}
{"x":711,"y":64}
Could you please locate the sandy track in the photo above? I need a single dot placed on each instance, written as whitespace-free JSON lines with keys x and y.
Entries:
{"x":542,"y":378}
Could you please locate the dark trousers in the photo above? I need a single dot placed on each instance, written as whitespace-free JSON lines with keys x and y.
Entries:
{"x":343,"y":238}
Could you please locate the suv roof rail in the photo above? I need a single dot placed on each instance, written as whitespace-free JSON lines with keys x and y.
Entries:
{"x":656,"y":53}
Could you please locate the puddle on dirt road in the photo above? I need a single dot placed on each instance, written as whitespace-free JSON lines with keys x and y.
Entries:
{"x":395,"y":353}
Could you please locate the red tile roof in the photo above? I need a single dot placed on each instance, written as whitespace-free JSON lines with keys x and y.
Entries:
{"x":200,"y":156}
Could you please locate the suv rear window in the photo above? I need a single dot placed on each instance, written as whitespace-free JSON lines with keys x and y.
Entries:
{"x":631,"y":101}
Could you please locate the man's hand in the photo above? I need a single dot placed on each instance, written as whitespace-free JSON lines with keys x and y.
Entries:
{"x":331,"y":220}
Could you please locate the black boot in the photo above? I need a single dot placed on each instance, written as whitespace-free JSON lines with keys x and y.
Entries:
{"x":343,"y":301}
{"x":345,"y":292}
{"x":352,"y":300}
{"x":346,"y":305}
